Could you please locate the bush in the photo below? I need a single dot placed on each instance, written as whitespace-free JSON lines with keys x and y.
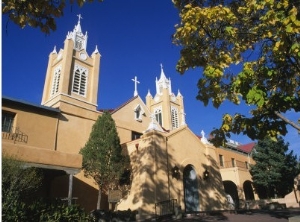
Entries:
{"x":43,"y":210}
{"x":114,"y":216}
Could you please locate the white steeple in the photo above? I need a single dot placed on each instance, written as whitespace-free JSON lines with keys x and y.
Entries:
{"x":163,"y":83}
{"x":79,"y":39}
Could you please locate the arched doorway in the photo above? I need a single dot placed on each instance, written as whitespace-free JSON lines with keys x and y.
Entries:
{"x":190,"y":184}
{"x":231,"y":189}
{"x":248,"y":190}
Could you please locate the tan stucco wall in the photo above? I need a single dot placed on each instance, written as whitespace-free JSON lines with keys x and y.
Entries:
{"x":39,"y":126}
{"x":152,"y":160}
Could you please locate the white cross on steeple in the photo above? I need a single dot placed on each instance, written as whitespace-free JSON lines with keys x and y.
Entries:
{"x":79,"y":17}
{"x":135,"y":86}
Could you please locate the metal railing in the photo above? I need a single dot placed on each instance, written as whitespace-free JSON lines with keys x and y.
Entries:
{"x":237,"y":163}
{"x":16,"y":135}
{"x":166,"y":207}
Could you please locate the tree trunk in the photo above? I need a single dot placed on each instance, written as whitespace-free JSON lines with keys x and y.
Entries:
{"x":99,"y":197}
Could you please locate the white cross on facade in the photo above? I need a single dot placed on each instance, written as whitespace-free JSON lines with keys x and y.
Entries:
{"x":135,"y":86}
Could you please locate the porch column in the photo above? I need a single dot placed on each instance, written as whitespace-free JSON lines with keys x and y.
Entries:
{"x":70,"y":189}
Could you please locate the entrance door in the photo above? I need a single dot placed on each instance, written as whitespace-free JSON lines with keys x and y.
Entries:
{"x":191,"y":194}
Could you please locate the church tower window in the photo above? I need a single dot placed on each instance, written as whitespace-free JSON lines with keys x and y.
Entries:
{"x":55,"y":82}
{"x":158,"y":115}
{"x":78,"y":43}
{"x":80,"y":80}
{"x":174,"y":113}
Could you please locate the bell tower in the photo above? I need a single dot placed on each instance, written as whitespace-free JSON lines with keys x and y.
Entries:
{"x":72,"y":75}
{"x":167,"y":108}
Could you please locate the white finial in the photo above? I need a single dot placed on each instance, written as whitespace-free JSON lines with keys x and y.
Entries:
{"x":135,"y":86}
{"x":96,"y":50}
{"x":203,"y":139}
{"x":79,"y":17}
{"x":161,"y":66}
{"x":149,"y":94}
{"x":203,"y":134}
{"x":54,"y":50}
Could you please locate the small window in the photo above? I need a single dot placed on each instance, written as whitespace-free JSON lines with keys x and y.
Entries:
{"x":175,"y":121}
{"x":233,"y":162}
{"x":55,"y":81}
{"x":221,"y":159}
{"x":78,"y":43}
{"x":135,"y":135}
{"x":158,"y":116}
{"x":7,"y":121}
{"x":138,"y":112}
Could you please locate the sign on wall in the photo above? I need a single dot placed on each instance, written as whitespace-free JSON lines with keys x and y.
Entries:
{"x":114,"y":196}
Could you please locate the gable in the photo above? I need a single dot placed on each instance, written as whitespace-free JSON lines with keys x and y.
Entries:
{"x":132,"y":116}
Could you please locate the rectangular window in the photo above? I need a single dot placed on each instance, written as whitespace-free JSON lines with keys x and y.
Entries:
{"x":80,"y":80}
{"x":158,"y":118}
{"x":7,"y":121}
{"x":55,"y":81}
{"x":135,"y":135}
{"x":233,"y":162}
{"x":174,"y":113}
{"x":221,"y":159}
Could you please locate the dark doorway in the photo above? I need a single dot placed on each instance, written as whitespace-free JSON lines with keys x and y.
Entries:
{"x":191,"y":194}
{"x":248,"y":190}
{"x":231,"y":189}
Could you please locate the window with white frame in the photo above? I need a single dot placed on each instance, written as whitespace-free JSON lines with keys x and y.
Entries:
{"x":80,"y":80}
{"x":158,"y":115}
{"x":55,"y":81}
{"x":138,"y":112}
{"x":174,"y":113}
{"x":78,"y":43}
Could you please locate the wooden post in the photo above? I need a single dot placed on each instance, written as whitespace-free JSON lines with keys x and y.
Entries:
{"x":70,"y":189}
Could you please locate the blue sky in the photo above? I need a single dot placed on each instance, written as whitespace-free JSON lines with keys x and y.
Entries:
{"x":133,"y":38}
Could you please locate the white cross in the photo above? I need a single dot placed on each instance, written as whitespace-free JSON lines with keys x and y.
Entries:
{"x":79,"y":17}
{"x":135,"y":86}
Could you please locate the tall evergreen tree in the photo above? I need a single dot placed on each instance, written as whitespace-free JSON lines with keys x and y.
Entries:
{"x":274,"y":170}
{"x":102,"y":155}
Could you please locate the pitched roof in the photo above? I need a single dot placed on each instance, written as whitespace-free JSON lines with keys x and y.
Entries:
{"x":247,"y":147}
{"x":29,"y":104}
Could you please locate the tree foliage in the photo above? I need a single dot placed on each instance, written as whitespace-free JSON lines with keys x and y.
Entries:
{"x":37,"y":13}
{"x":274,"y":170}
{"x":260,"y":41}
{"x":102,"y":155}
{"x":18,"y":184}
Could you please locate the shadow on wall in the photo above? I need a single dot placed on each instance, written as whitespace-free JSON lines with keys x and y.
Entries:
{"x":155,"y":161}
{"x":83,"y":194}
{"x":211,"y":199}
{"x":151,"y":161}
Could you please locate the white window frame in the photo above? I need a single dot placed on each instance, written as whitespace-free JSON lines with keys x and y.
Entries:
{"x":55,"y":81}
{"x":174,"y":116}
{"x":138,"y":112}
{"x":158,"y":115}
{"x":80,"y":80}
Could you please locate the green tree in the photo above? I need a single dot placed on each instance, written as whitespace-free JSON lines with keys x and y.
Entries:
{"x":259,"y":39}
{"x":274,"y":170}
{"x":18,"y":185}
{"x":37,"y":13}
{"x":102,"y":155}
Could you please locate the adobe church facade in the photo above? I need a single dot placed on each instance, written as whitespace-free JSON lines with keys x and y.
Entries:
{"x":169,"y":162}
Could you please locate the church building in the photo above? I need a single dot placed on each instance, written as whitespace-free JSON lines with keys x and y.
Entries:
{"x":170,"y":165}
